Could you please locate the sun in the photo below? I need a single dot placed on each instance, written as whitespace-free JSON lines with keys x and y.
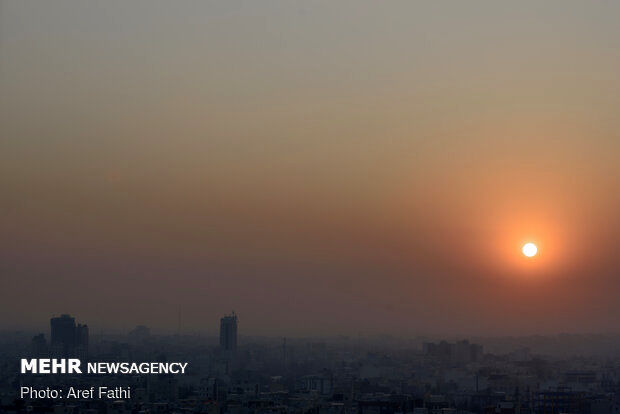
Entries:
{"x":529,"y":249}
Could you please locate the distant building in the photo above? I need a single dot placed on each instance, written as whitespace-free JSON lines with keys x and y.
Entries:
{"x":208,"y":389}
{"x":324,"y":385}
{"x":81,"y":341}
{"x":39,"y":346}
{"x":228,"y":332}
{"x":67,"y":339}
{"x":62,"y":335}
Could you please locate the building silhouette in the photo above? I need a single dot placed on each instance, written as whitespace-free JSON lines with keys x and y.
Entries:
{"x":228,"y":332}
{"x":39,"y":346}
{"x":81,"y":341}
{"x":68,"y":339}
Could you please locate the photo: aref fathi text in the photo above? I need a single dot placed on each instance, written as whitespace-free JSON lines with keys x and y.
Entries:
{"x":101,"y":392}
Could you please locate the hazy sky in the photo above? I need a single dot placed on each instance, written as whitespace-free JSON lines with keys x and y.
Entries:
{"x":319,"y":167}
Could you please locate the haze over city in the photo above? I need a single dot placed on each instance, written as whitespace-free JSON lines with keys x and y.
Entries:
{"x":320,"y":168}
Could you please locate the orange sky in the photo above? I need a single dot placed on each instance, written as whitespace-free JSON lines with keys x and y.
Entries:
{"x":344,"y":168}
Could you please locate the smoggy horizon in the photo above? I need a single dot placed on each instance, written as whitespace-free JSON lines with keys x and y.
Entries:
{"x":320,"y":168}
{"x":213,"y":332}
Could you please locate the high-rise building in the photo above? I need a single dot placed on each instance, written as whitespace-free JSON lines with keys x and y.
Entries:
{"x":62,"y":340}
{"x":39,"y":346}
{"x":67,"y":339}
{"x":81,"y":341}
{"x":228,"y":332}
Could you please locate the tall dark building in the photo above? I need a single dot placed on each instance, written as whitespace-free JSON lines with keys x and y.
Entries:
{"x":67,"y":339}
{"x":81,"y":341}
{"x":62,"y":342}
{"x":228,"y":332}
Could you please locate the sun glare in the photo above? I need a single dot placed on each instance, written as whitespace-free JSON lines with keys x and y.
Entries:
{"x":529,"y":249}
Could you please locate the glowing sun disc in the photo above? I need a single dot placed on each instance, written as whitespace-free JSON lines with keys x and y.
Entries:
{"x":529,"y":249}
